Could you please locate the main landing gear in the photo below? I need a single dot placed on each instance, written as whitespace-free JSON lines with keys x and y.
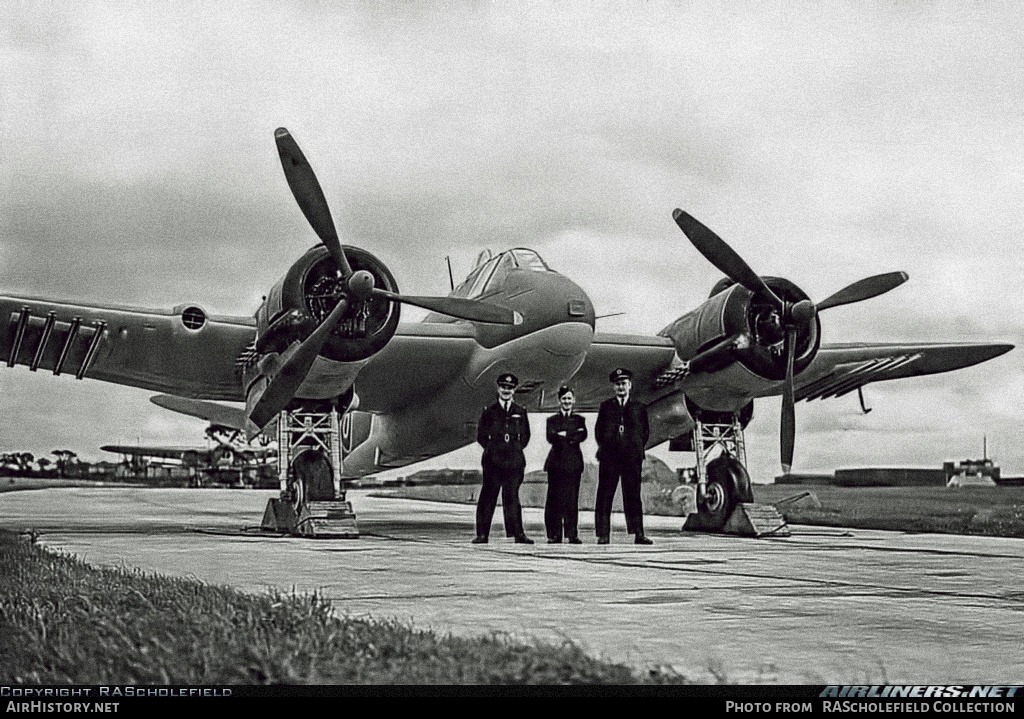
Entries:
{"x":725,"y":500}
{"x":312,"y":501}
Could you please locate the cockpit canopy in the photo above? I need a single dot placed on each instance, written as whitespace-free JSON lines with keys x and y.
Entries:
{"x":490,"y":271}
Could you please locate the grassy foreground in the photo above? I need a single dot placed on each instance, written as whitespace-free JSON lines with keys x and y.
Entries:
{"x":62,"y":621}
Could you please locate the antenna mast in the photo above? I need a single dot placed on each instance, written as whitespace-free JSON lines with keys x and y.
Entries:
{"x":451,"y":280}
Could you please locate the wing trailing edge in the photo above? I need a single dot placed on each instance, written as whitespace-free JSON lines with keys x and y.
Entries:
{"x":212,"y":412}
{"x":843,"y":368}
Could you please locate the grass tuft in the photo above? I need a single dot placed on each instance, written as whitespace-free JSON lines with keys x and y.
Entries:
{"x":62,"y":621}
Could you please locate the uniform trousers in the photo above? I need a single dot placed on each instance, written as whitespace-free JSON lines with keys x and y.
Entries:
{"x":561,"y":509}
{"x":507,"y":481}
{"x":609,"y":473}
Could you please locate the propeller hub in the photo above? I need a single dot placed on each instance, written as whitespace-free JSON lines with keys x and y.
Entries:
{"x":361,"y":284}
{"x":802,"y":312}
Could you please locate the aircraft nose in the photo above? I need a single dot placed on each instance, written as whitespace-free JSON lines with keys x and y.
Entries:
{"x":544,"y":300}
{"x":559,"y":300}
{"x":568,"y":339}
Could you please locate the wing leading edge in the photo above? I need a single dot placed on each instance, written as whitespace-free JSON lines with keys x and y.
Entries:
{"x":184,"y":351}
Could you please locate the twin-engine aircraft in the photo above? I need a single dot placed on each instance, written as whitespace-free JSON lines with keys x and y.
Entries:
{"x":328,"y":335}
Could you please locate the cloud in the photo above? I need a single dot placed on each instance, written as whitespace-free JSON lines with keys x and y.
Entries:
{"x":825,"y":143}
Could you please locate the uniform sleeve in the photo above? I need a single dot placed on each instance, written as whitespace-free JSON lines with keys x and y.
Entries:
{"x":601,"y":428}
{"x":526,"y":428}
{"x":581,"y":433}
{"x":551,"y":429}
{"x":645,"y":427}
{"x":482,"y":429}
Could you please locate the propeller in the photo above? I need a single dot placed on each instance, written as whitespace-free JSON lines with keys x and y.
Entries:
{"x":284,"y":384}
{"x":306,"y":190}
{"x":358,"y":286}
{"x":793,"y":315}
{"x":361,"y":284}
{"x":457,"y":307}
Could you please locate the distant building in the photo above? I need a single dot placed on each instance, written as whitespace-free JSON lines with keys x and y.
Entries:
{"x":890,"y":477}
{"x":805,"y":479}
{"x":971,"y":472}
{"x":871,"y":477}
{"x":444,"y":476}
{"x":953,"y":474}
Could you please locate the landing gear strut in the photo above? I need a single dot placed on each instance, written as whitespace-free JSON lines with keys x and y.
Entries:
{"x":725,"y":501}
{"x":312,"y":501}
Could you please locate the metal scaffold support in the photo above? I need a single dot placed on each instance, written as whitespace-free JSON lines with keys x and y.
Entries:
{"x":312,"y":501}
{"x":708,"y":436}
{"x":724,"y":498}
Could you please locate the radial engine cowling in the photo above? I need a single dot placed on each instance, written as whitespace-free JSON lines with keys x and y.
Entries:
{"x":304,"y":297}
{"x":736,"y":312}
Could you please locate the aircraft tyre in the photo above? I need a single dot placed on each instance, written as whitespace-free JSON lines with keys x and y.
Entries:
{"x":728,"y":484}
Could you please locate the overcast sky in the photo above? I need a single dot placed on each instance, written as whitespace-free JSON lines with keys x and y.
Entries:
{"x":824,"y":141}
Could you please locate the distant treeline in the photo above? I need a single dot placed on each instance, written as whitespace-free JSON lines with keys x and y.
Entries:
{"x":64,"y":463}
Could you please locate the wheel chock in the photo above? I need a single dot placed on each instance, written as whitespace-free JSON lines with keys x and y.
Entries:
{"x":756,"y":520}
{"x":278,"y":516}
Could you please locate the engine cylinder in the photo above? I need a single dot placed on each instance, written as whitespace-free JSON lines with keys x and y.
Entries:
{"x":736,"y":310}
{"x":310,"y":290}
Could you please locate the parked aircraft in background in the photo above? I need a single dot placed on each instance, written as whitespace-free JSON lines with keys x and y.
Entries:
{"x":328,"y":334}
{"x":227,"y":462}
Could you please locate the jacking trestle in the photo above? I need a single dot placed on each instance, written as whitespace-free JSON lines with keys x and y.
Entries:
{"x":710,"y":436}
{"x":312,"y":501}
{"x":724,"y":499}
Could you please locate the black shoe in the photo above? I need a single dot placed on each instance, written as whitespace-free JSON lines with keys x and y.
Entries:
{"x":604,"y":540}
{"x":555,"y":541}
{"x":479,"y":539}
{"x":641,"y":539}
{"x":575,"y":540}
{"x":523,"y":539}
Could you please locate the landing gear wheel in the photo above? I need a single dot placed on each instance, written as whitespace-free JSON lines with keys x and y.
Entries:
{"x":728,"y":484}
{"x":717,"y":504}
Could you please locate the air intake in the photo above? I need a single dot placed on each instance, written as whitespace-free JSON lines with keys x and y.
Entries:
{"x":193,"y":318}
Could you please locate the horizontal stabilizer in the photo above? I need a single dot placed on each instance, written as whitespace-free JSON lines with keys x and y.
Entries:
{"x":212,"y":412}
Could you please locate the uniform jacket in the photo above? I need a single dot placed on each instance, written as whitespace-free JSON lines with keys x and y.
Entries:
{"x":503,"y":435}
{"x":565,"y":455}
{"x":621,"y":432}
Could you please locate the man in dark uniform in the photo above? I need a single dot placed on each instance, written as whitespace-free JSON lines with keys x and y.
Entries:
{"x":622,"y":431}
{"x":503,"y":431}
{"x":564,"y":465}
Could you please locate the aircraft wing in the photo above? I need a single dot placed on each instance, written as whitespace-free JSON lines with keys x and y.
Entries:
{"x":645,"y":356}
{"x":182,"y":351}
{"x":836,"y":370}
{"x":842,"y":368}
{"x":218,"y":414}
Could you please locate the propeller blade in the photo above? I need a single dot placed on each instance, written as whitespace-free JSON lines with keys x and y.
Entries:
{"x":787,"y":425}
{"x":718,"y":253}
{"x":472,"y":310}
{"x":306,"y":190}
{"x":283,"y":385}
{"x":864,"y":289}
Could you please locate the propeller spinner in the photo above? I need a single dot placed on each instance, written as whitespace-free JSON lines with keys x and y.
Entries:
{"x":793,"y":316}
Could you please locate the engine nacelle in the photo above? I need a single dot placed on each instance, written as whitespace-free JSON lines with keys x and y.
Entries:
{"x":309,"y":291}
{"x":756,"y":361}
